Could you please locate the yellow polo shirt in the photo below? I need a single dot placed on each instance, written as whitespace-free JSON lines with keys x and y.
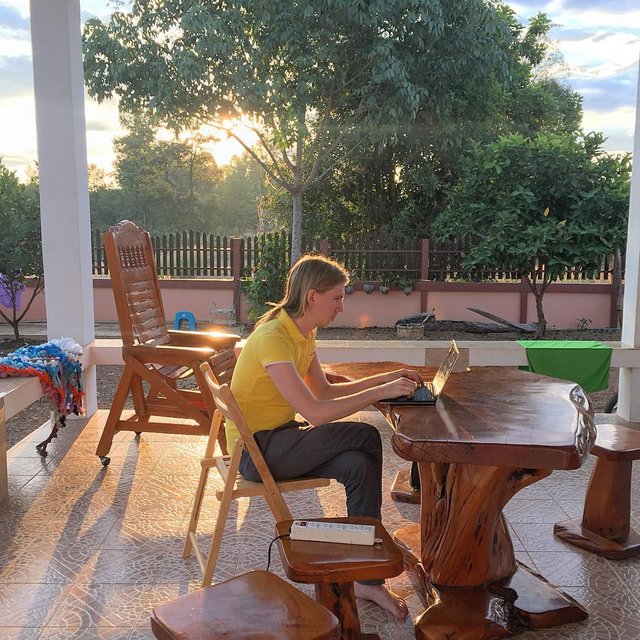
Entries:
{"x":279,"y":340}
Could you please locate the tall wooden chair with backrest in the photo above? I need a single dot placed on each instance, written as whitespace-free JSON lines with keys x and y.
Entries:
{"x":235,"y":486}
{"x":152,"y":353}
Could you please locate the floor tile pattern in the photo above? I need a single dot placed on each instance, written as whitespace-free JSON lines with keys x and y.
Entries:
{"x":87,"y":551}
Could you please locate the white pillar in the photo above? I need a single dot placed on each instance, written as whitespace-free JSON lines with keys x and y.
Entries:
{"x":629,"y":388}
{"x":62,"y":160}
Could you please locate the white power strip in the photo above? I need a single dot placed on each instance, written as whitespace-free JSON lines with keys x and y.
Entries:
{"x":341,"y":532}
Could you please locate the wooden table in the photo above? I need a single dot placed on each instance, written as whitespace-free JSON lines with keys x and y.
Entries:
{"x":333,"y":568}
{"x":493,"y":432}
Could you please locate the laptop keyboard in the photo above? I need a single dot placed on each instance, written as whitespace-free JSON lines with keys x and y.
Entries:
{"x":422,"y":394}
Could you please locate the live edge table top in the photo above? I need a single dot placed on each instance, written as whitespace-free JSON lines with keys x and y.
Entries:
{"x":498,"y":416}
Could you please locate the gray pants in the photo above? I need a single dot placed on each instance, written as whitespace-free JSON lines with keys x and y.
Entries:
{"x":349,"y":452}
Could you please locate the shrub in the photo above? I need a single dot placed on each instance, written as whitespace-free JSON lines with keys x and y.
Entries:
{"x":269,"y":278}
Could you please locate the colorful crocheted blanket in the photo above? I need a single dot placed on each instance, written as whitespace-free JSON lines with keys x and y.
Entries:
{"x":57,"y":365}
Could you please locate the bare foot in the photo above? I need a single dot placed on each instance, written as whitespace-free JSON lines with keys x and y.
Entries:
{"x":388,"y":600}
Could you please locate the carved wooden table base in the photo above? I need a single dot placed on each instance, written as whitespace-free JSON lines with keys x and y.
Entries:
{"x":499,"y":610}
{"x":467,"y":564}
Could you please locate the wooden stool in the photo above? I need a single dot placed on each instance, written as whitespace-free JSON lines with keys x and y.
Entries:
{"x":333,"y":568}
{"x":252,"y":605}
{"x":402,"y":489}
{"x":605,"y":527}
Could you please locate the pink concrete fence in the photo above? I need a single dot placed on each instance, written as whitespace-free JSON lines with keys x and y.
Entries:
{"x":567,"y":305}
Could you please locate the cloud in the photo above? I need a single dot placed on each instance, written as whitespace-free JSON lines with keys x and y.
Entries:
{"x":603,"y":36}
{"x":618,"y":127}
{"x":605,"y":54}
{"x":16,"y":76}
{"x":608,"y":93}
{"x":528,"y":8}
{"x":98,"y":125}
{"x":571,"y":34}
{"x":606,"y":6}
{"x":11,"y":17}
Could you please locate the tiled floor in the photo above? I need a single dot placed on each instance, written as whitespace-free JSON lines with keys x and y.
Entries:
{"x":86,"y":551}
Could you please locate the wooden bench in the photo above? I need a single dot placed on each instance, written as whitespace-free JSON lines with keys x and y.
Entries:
{"x":16,"y":394}
{"x":605,"y":526}
{"x":252,"y":605}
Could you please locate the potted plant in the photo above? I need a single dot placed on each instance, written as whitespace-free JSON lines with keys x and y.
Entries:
{"x":384,"y":287}
{"x":367,"y":287}
{"x":350,"y":287}
{"x":405,"y":284}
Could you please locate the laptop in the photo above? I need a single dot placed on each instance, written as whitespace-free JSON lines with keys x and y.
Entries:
{"x":429,"y":393}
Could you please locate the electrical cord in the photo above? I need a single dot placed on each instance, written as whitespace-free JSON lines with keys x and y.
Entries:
{"x":284,"y":535}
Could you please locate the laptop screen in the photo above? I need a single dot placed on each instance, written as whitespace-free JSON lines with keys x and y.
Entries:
{"x":445,"y":369}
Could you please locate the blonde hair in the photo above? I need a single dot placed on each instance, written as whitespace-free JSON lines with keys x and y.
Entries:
{"x":311,"y":271}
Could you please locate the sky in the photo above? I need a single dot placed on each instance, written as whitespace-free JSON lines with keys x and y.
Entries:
{"x":599,"y":40}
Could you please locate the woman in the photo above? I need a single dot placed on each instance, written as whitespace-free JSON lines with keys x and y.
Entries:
{"x":278,"y":375}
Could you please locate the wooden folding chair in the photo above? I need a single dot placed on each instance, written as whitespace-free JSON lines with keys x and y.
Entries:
{"x":235,"y":486}
{"x":151,"y":352}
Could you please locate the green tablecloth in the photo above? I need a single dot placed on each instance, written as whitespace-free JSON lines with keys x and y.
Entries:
{"x":585,"y":362}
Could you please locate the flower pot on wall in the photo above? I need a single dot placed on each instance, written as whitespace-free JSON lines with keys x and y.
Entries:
{"x":348,"y":289}
{"x":407,"y":290}
{"x":384,"y":288}
{"x":368,"y":288}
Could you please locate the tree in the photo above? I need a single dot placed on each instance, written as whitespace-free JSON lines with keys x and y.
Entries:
{"x":169,"y":185}
{"x":540,"y":206}
{"x":238,"y":196}
{"x":165,"y":184}
{"x":431,"y":158}
{"x":401,"y":183}
{"x":20,"y":246}
{"x":308,"y":75}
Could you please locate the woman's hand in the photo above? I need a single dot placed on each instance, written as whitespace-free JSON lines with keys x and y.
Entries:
{"x":405,"y":373}
{"x":402,"y":386}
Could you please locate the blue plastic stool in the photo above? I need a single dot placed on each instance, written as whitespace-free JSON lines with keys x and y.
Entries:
{"x":185,"y":315}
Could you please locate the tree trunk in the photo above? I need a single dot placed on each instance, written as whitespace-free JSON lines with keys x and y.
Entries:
{"x":542,"y":322}
{"x":297,"y":192}
{"x":15,"y":318}
{"x":538,"y":294}
{"x":296,"y":227}
{"x":617,"y":279}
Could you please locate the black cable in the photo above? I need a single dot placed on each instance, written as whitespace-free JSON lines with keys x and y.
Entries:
{"x":284,"y":535}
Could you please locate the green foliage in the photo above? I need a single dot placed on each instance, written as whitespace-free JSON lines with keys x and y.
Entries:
{"x":20,"y":242}
{"x":401,"y":182}
{"x":540,"y":205}
{"x":167,"y":185}
{"x":238,"y":196}
{"x":319,"y":79}
{"x":268,"y":280}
